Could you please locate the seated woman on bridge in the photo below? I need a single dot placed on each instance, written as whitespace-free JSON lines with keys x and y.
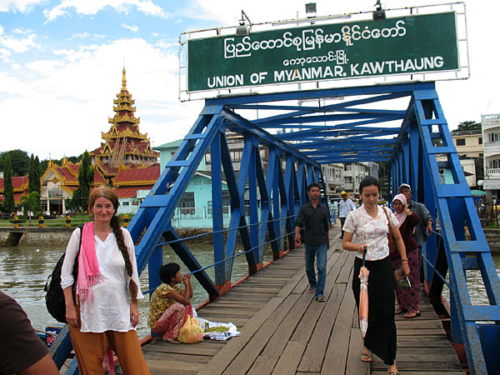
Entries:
{"x":371,"y":225}
{"x":408,"y":220}
{"x":170,"y":305}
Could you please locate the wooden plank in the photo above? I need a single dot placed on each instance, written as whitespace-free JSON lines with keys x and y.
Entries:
{"x":203,"y":359}
{"x":345,"y":272}
{"x":238,"y":322}
{"x":220,"y":362}
{"x":244,"y":297}
{"x":271,"y":291}
{"x":287,"y":332}
{"x":240,"y":312}
{"x":255,"y":305}
{"x":263,"y":365}
{"x":289,"y":361}
{"x":336,"y":355}
{"x":250,"y":352}
{"x":276,"y":345}
{"x":176,"y":365}
{"x":419,"y":323}
{"x":316,"y":349}
{"x":354,"y":365}
{"x":183,"y":349}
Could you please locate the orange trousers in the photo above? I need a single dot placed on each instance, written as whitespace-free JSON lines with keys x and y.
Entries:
{"x":91,"y":347}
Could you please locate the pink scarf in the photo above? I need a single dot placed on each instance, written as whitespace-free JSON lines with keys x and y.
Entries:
{"x":88,"y":266}
{"x":402,"y":216}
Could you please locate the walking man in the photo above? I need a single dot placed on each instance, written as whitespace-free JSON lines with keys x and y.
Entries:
{"x":316,"y":219}
{"x":345,"y":206}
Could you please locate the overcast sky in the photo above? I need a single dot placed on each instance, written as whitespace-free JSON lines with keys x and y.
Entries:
{"x":61,"y":65}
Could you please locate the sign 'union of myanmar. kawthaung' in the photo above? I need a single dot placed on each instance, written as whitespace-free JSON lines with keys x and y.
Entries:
{"x":404,"y":45}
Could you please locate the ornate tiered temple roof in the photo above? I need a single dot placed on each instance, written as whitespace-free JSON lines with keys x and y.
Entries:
{"x":65,"y":176}
{"x":124,"y":147}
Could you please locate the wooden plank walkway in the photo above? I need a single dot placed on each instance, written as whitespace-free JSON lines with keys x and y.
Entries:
{"x":285,"y":331}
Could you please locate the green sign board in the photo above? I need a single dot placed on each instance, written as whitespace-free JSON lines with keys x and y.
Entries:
{"x":404,"y":45}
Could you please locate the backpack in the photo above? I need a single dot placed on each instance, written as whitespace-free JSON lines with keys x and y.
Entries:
{"x":54,"y":296}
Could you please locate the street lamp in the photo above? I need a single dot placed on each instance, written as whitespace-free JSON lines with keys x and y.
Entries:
{"x":244,"y":29}
{"x":379,"y":13}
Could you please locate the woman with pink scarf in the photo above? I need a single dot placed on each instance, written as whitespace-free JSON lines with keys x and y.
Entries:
{"x":103,"y":312}
{"x":407,"y":299}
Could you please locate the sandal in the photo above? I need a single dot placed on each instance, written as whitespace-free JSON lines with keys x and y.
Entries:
{"x":320,"y":299}
{"x":393,"y":373}
{"x":365,"y":357}
{"x":400,"y":311}
{"x":412,"y":314}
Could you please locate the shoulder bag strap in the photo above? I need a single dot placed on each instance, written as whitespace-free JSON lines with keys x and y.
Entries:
{"x":388,"y":220}
{"x":75,"y":265}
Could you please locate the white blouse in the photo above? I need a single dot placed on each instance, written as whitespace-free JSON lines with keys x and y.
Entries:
{"x":110,"y":308}
{"x":371,"y":231}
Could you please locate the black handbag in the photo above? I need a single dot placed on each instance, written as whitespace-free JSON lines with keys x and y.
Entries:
{"x":54,"y":296}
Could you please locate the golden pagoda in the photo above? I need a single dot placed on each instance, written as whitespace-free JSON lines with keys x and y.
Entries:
{"x":124,"y":147}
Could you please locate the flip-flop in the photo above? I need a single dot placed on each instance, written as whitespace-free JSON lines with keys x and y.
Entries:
{"x":320,"y":299}
{"x":400,"y":311}
{"x":365,"y":357}
{"x":311,"y":290}
{"x":408,"y":316}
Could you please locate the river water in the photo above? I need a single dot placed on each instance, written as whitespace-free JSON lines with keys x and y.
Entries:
{"x":24,"y":270}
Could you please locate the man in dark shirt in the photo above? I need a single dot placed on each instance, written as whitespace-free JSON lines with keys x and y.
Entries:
{"x":21,"y":350}
{"x":315,"y":218}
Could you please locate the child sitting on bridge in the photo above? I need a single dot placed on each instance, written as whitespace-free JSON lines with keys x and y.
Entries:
{"x":170,"y":305}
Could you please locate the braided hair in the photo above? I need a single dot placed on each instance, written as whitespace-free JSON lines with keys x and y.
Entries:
{"x":110,"y":194}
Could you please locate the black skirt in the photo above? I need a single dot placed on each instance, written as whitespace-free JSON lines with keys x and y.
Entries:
{"x":381,"y":336}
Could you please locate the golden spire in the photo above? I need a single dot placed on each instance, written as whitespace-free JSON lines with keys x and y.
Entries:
{"x":124,"y":79}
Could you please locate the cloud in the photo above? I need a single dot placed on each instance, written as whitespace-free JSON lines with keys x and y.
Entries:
{"x":4,"y":55}
{"x":16,"y":44}
{"x":22,"y":6}
{"x":91,"y":7}
{"x":134,"y":29}
{"x":77,"y":89}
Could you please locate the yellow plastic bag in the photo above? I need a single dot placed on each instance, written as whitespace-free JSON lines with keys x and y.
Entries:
{"x":191,"y":332}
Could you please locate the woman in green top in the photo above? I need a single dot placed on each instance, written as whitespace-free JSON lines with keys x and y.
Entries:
{"x":170,"y":305}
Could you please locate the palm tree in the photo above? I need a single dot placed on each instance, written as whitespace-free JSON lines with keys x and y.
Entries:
{"x":30,"y":203}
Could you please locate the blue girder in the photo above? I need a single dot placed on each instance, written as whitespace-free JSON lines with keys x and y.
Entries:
{"x":424,"y":135}
{"x":352,"y":130}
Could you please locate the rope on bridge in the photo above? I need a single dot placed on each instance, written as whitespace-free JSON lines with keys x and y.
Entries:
{"x":232,"y":257}
{"x":432,"y":266}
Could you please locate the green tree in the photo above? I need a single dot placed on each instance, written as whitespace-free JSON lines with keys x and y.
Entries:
{"x":34,"y":177}
{"x":19,"y":160}
{"x":34,"y":174}
{"x":85,"y":180}
{"x":9,"y":203}
{"x":467,"y":126}
{"x":30,"y":204}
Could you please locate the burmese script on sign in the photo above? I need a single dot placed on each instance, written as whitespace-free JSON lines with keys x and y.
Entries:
{"x":405,"y":45}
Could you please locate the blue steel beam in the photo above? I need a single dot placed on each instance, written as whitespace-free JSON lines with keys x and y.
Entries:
{"x":290,"y":170}
{"x":415,"y":162}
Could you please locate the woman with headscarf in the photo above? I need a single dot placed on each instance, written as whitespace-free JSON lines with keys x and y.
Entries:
{"x":408,"y":220}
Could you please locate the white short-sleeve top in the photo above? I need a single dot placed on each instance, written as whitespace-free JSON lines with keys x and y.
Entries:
{"x":110,"y":308}
{"x":371,"y":231}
